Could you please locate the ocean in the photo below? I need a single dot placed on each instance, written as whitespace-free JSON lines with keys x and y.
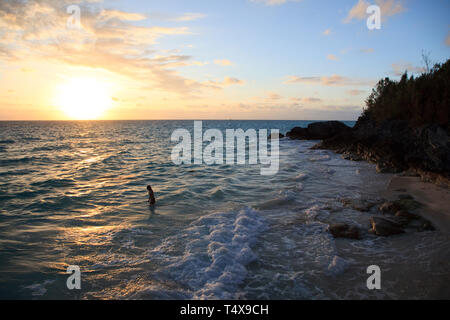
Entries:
{"x":74,"y":193}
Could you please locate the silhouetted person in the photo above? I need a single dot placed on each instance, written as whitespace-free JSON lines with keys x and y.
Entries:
{"x":151,"y":195}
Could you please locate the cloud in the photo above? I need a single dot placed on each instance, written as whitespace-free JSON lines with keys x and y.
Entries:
{"x":358,"y":11}
{"x":307,"y":100}
{"x":355,"y":92}
{"x":223,"y":62}
{"x":120,"y":15}
{"x":228,"y":81}
{"x":189,"y":16}
{"x":388,"y":8}
{"x":327,"y":32}
{"x":108,"y":39}
{"x":332,"y":57}
{"x":447,"y":39}
{"x":399,"y":68}
{"x":274,"y":2}
{"x":333,"y":80}
{"x":274,"y":96}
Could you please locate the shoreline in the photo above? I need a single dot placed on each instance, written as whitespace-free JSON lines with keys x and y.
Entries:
{"x":435,"y":199}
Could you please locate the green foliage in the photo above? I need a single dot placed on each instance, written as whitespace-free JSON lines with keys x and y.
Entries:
{"x":421,"y":100}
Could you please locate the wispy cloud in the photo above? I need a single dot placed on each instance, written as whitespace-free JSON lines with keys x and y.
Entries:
{"x":274,"y":96}
{"x":332,"y":57}
{"x":327,"y":32}
{"x":228,"y":81}
{"x":356,"y":92}
{"x":333,"y":80}
{"x":189,"y":16}
{"x":223,"y":62}
{"x":307,"y":100}
{"x":447,"y":39}
{"x":388,"y":8}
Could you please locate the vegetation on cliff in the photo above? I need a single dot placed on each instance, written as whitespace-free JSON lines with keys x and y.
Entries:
{"x":421,"y":100}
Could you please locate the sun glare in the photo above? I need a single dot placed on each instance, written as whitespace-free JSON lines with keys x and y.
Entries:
{"x":84,"y":99}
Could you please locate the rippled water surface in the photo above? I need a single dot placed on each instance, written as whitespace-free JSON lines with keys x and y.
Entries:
{"x":73,"y":193}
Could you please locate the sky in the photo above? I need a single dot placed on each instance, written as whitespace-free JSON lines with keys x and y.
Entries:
{"x":209,"y":59}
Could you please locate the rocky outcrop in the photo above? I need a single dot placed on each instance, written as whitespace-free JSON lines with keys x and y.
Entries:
{"x":397,"y":215}
{"x":342,"y":230}
{"x":395,"y":147}
{"x":318,"y":131}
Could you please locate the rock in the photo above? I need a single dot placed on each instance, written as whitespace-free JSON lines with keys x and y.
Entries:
{"x":318,"y":130}
{"x":421,"y":224}
{"x":298,"y":133}
{"x":405,"y":197}
{"x":427,"y":226}
{"x":359,"y":204}
{"x":385,"y":227}
{"x":406,"y":214}
{"x":342,"y":230}
{"x":395,"y":146}
{"x":328,"y":129}
{"x":389,"y":207}
{"x":351,"y":156}
{"x":407,"y":204}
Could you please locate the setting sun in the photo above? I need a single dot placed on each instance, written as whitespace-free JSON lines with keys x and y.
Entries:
{"x":83,"y":99}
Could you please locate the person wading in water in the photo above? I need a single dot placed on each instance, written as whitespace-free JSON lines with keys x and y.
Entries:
{"x":151,"y":195}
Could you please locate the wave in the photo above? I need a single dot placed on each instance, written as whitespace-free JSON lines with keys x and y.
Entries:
{"x":209,"y":258}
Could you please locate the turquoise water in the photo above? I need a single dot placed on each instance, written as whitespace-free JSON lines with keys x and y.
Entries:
{"x":74,"y":193}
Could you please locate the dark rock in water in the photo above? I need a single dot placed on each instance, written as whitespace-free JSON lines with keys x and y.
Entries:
{"x":385,"y":227}
{"x":403,"y":204}
{"x":407,"y":204}
{"x":362,"y":205}
{"x":406,"y":215}
{"x":342,"y":230}
{"x":406,"y":197}
{"x":298,"y":133}
{"x":328,"y":129}
{"x":390,"y":207}
{"x":274,"y":136}
{"x":318,"y":130}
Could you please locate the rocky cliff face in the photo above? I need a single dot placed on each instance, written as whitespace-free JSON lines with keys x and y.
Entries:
{"x":393,"y":145}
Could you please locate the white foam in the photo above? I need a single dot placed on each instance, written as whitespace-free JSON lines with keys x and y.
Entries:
{"x":211,"y":256}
